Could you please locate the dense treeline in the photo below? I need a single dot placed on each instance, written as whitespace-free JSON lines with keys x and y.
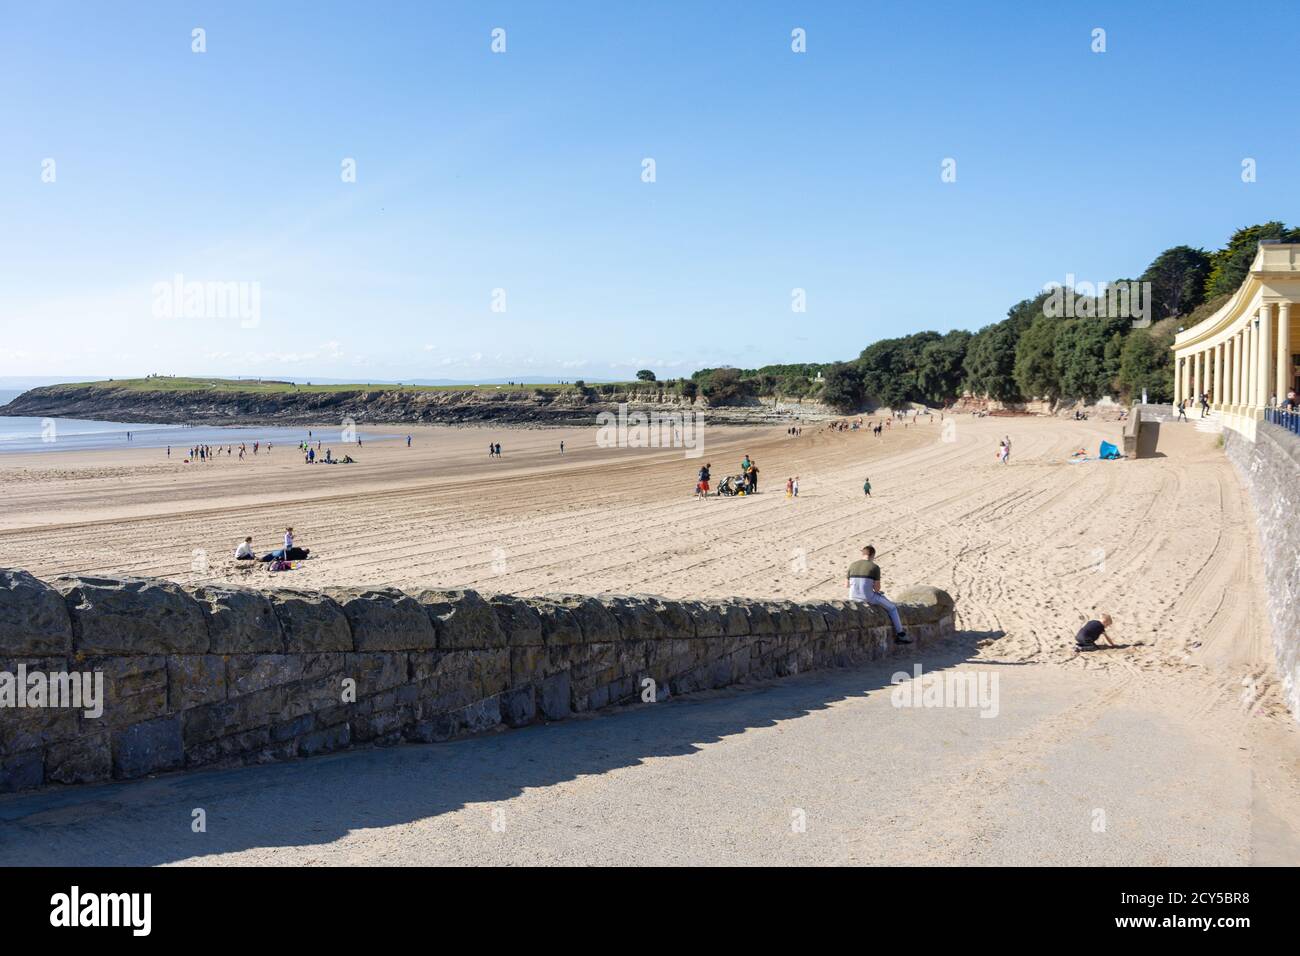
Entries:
{"x":1056,"y":346}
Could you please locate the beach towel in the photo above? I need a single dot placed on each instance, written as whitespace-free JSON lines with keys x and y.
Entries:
{"x":1108,"y":451}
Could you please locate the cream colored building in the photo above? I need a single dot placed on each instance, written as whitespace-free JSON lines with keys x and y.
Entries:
{"x":1245,"y":355}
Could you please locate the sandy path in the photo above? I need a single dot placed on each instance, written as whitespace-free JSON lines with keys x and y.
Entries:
{"x":1183,"y":731}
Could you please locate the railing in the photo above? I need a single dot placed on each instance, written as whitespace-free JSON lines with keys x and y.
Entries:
{"x":1288,"y":420}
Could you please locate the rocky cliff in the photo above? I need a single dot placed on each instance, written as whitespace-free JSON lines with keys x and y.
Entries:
{"x":103,"y":401}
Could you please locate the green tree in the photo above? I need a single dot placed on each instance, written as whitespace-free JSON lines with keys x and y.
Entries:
{"x":1146,"y":363}
{"x":1087,"y":356}
{"x":1228,"y":266}
{"x":1036,"y":372}
{"x":890,"y":368}
{"x":1177,"y":278}
{"x":725,"y":387}
{"x":842,"y":387}
{"x":939,"y":370}
{"x":990,"y":362}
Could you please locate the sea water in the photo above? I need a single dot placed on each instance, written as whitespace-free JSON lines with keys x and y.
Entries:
{"x":24,"y":434}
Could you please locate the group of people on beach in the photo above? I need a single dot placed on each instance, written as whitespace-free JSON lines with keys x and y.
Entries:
{"x":1004,"y":450}
{"x":494,"y":449}
{"x":279,"y":558}
{"x":208,"y":453}
{"x":1202,"y":400}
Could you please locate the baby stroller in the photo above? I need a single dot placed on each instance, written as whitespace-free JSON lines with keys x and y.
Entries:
{"x":732,"y":485}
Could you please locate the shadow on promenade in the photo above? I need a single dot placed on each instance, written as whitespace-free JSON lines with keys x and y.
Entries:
{"x":320,"y":799}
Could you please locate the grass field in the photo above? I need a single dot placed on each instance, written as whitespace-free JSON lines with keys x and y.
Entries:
{"x":272,"y":386}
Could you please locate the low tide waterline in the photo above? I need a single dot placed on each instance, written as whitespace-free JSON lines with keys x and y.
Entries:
{"x":25,"y":434}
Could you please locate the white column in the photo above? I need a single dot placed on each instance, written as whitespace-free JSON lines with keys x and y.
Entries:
{"x":1230,"y":367}
{"x":1238,"y":351}
{"x":1249,"y":362}
{"x":1218,"y":375}
{"x":1196,"y":376}
{"x":1264,"y":357}
{"x":1283,"y":350}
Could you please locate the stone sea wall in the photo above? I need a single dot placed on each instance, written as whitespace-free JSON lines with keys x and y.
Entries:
{"x":219,"y":676}
{"x":1270,"y":467}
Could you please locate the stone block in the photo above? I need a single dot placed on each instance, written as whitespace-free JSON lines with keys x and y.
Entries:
{"x":34,"y":619}
{"x":385,"y":619}
{"x":518,"y":621}
{"x":87,"y":759}
{"x":150,"y":747}
{"x":462,"y":619}
{"x":133,"y":616}
{"x":310,"y":621}
{"x":247,"y":673}
{"x":195,"y":679}
{"x":239,"y":620}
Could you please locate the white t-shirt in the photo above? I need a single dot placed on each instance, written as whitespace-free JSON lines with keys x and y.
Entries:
{"x":245,"y":550}
{"x":288,"y":539}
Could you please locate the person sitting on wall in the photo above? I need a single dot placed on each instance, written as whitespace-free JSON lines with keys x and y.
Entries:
{"x":864,"y":585}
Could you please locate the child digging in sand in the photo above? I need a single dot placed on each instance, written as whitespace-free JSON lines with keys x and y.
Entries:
{"x":1087,"y":637}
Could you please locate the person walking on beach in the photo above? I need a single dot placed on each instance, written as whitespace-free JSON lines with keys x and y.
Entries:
{"x":1087,"y":637}
{"x":795,"y":487}
{"x":1006,"y":455}
{"x":408,"y":441}
{"x":561,"y":446}
{"x":1182,"y":410}
{"x":789,"y":487}
{"x":702,"y":482}
{"x":866,"y":487}
{"x":864,"y":585}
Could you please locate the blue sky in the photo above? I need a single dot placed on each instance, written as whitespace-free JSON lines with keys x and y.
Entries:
{"x":522,"y":171}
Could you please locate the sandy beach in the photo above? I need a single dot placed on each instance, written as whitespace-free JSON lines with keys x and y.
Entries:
{"x":1029,"y":549}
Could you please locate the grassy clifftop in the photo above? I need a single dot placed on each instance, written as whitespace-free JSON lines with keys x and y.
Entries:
{"x":249,"y":401}
{"x":164,"y":384}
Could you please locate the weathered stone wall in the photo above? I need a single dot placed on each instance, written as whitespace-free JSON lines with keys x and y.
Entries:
{"x":1270,"y":467}
{"x":217,"y":676}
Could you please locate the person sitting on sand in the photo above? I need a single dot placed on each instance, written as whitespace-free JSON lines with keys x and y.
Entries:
{"x":864,"y":585}
{"x":245,"y":550}
{"x":1087,"y":637}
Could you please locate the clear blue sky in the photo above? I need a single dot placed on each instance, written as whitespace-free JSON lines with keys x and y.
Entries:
{"x":522,"y":171}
